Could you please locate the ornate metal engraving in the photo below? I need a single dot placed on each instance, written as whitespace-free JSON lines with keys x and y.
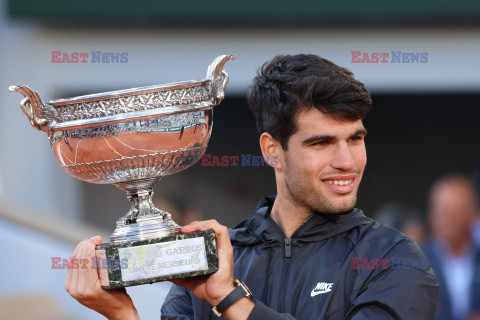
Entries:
{"x":131,"y":138}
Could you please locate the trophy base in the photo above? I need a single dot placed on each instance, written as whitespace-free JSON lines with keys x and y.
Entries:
{"x":158,"y":259}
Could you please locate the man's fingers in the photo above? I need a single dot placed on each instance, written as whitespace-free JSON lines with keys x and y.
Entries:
{"x":69,"y":273}
{"x":86,"y":272}
{"x":73,"y":268}
{"x":79,"y":271}
{"x":221,"y":233}
{"x":92,"y":280}
{"x":97,"y":240}
{"x":77,"y":260}
{"x":190,"y":283}
{"x":224,"y":246}
{"x":192,"y":227}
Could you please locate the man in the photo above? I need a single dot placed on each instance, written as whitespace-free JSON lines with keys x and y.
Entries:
{"x":306,"y":253}
{"x":475,"y":229}
{"x":454,"y":256}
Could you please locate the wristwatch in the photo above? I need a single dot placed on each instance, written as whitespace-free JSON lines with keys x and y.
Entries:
{"x":238,"y":293}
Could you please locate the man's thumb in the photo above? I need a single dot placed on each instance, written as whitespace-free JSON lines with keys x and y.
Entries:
{"x":97,"y":240}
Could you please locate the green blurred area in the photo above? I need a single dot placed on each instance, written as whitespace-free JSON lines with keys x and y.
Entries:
{"x":247,"y":11}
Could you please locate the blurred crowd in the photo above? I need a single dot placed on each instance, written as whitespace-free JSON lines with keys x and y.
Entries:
{"x":450,"y":238}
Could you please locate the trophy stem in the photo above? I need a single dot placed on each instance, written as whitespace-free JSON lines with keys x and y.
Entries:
{"x":140,"y":194}
{"x":143,"y":220}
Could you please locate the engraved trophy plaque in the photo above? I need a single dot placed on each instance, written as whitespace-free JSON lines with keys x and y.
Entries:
{"x":131,"y":138}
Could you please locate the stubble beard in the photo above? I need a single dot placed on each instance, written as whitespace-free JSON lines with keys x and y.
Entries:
{"x":318,"y":203}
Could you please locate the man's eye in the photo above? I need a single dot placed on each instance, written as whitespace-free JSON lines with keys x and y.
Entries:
{"x":357,"y":139}
{"x":320,"y":143}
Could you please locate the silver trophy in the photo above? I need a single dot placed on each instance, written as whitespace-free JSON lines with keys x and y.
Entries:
{"x":131,"y":138}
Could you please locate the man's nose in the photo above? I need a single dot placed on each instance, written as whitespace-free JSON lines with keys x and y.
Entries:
{"x":343,"y":158}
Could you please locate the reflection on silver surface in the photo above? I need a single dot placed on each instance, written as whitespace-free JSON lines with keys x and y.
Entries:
{"x":135,"y":150}
{"x":131,"y":138}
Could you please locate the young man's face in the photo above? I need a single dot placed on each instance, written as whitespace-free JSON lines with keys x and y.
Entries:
{"x":324,"y":163}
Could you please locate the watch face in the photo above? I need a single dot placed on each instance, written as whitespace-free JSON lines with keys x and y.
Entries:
{"x":249,"y":293}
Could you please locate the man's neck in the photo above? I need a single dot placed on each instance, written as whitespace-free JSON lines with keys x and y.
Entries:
{"x":288,"y":216}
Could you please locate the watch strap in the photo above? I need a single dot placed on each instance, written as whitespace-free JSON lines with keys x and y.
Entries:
{"x":238,"y":293}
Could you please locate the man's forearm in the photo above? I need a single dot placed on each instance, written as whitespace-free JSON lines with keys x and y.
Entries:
{"x":128,"y":315}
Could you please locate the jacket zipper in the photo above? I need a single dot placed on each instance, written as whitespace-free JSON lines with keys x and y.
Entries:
{"x":286,"y":267}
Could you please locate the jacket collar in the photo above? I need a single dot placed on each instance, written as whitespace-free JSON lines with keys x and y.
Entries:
{"x":260,"y":227}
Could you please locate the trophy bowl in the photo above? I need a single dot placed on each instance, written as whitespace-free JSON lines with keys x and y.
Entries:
{"x":131,"y":138}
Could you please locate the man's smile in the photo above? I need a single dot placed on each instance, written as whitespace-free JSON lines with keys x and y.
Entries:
{"x":340,"y":184}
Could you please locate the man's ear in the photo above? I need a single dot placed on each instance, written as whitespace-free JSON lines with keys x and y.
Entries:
{"x":271,"y":150}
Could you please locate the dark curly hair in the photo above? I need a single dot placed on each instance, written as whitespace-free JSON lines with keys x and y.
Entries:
{"x":290,"y":84}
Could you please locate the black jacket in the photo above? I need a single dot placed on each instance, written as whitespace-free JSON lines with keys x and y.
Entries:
{"x":331,"y":268}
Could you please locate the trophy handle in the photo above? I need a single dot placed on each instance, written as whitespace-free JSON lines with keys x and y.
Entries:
{"x":41,"y":116}
{"x":219,"y":76}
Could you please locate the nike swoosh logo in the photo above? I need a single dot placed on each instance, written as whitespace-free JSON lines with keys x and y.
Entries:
{"x":316,"y":292}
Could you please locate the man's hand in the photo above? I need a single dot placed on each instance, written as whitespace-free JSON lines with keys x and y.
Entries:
{"x":83,"y":284}
{"x":218,"y":285}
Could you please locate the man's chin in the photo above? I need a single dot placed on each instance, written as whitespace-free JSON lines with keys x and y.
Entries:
{"x":338,"y":211}
{"x":340,"y":207}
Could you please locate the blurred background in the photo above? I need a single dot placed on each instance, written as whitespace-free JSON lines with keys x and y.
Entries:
{"x":424,"y":123}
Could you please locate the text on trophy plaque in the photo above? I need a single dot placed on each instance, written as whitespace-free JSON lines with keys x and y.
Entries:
{"x":164,"y":258}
